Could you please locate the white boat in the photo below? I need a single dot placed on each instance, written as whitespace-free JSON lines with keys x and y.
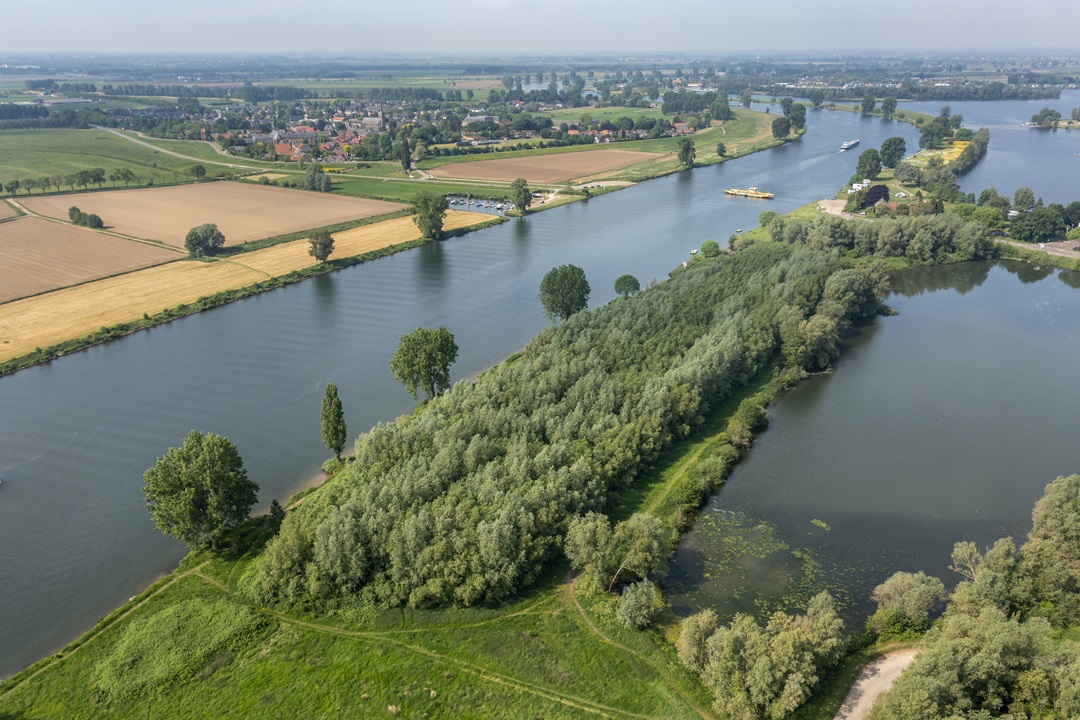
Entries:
{"x":848,"y":144}
{"x":694,"y":251}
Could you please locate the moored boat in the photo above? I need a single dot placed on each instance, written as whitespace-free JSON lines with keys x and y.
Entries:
{"x":749,"y":192}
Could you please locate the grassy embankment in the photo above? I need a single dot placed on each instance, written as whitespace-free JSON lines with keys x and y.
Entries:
{"x":45,"y":326}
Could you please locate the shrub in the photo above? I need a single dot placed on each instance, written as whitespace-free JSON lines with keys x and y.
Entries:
{"x":639,"y":604}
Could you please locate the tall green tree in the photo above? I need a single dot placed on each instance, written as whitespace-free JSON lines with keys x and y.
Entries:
{"x":197,"y":171}
{"x":321,"y":245}
{"x":869,"y":164}
{"x":1023,"y":199}
{"x":627,"y":285}
{"x":797,"y":116}
{"x":199,"y":490}
{"x":687,"y":152}
{"x":892,"y":151}
{"x":422,"y":360}
{"x":430,"y":212}
{"x":721,"y":149}
{"x":520,"y":195}
{"x":868,"y":104}
{"x":781,"y":128}
{"x":332,"y":421}
{"x":888,"y":106}
{"x":746,"y":97}
{"x":564,"y":291}
{"x":203,"y":240}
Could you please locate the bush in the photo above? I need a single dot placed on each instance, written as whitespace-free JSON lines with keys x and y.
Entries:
{"x":639,"y":604}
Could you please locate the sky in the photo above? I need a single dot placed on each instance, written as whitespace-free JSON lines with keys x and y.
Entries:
{"x":548,"y":27}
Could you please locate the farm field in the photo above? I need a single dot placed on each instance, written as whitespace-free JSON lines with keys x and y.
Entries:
{"x":7,"y":211}
{"x":37,"y":255}
{"x":48,"y":153}
{"x":73,"y":312}
{"x":241,"y":211}
{"x":544,"y":168}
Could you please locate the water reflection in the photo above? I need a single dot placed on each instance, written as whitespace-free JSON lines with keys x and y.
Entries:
{"x":961,"y":278}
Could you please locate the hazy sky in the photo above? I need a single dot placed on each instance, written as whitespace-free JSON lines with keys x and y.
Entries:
{"x":349,"y":27}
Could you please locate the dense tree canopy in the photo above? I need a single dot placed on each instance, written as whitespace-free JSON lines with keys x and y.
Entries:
{"x":520,"y":195}
{"x":627,"y":285}
{"x":203,"y":240}
{"x":422,"y":360}
{"x":332,"y":421}
{"x":199,"y":490}
{"x":466,"y":500}
{"x":687,"y":152}
{"x":321,"y":245}
{"x":892,"y":151}
{"x":430,"y":212}
{"x":564,"y":291}
{"x":781,"y":127}
{"x":868,"y":165}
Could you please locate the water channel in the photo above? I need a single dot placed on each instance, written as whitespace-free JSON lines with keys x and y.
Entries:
{"x":77,"y":434}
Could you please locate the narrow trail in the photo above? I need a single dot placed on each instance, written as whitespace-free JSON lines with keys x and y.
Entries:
{"x":574,"y":701}
{"x":569,"y":589}
{"x":61,"y":656}
{"x":155,"y":148}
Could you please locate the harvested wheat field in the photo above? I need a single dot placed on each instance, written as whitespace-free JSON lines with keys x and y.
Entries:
{"x":269,"y":176}
{"x":38,"y":255}
{"x":286,"y":257}
{"x":241,"y":211}
{"x":553,"y":168}
{"x":6,"y":211}
{"x":73,"y":312}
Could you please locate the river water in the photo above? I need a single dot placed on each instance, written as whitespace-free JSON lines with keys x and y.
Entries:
{"x":77,"y":434}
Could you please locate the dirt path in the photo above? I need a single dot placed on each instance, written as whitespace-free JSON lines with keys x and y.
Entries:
{"x":569,"y":586}
{"x":876,"y":678}
{"x":127,"y":137}
{"x":1062,"y":248}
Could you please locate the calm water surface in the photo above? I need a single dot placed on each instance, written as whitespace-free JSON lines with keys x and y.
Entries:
{"x":77,"y":434}
{"x":940,"y":424}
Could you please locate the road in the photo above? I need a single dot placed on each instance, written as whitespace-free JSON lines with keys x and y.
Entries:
{"x":876,"y":678}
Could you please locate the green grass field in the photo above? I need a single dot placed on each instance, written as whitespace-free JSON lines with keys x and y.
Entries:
{"x":199,"y":151}
{"x":38,"y":153}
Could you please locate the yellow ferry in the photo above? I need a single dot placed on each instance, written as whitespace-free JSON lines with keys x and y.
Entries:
{"x":749,"y":192}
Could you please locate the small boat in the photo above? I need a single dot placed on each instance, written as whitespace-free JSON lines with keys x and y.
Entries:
{"x":847,"y":145}
{"x":752,"y":192}
{"x":738,"y":230}
{"x":694,"y":251}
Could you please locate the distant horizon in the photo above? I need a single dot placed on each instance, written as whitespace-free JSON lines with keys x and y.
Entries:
{"x":559,"y":27}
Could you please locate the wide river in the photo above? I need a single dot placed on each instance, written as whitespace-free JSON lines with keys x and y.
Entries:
{"x":77,"y":434}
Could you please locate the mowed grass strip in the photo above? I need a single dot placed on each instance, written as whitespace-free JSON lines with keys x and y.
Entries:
{"x":51,"y":318}
{"x":38,"y":255}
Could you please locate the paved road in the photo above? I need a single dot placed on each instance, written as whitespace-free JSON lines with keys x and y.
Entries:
{"x":876,"y":678}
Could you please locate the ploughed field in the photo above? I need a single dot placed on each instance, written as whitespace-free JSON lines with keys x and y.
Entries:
{"x":73,"y":312}
{"x":552,"y":168}
{"x":6,"y":211}
{"x":37,"y":255}
{"x":241,"y":211}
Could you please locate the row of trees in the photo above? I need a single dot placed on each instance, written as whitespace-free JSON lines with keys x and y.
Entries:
{"x":465,"y":501}
{"x":924,"y":239}
{"x":81,"y":179}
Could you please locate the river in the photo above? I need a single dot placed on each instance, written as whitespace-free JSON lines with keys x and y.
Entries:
{"x":76,"y":434}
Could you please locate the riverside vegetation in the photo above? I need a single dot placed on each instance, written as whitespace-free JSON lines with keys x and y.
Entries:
{"x":466,"y":504}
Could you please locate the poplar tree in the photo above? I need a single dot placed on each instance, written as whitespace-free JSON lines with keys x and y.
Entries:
{"x":333,"y":421}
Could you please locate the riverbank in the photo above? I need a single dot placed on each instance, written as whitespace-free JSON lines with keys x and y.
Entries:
{"x":43,"y":327}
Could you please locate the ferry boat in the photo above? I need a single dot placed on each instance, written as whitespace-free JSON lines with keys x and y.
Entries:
{"x":848,"y":145}
{"x":749,"y":192}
